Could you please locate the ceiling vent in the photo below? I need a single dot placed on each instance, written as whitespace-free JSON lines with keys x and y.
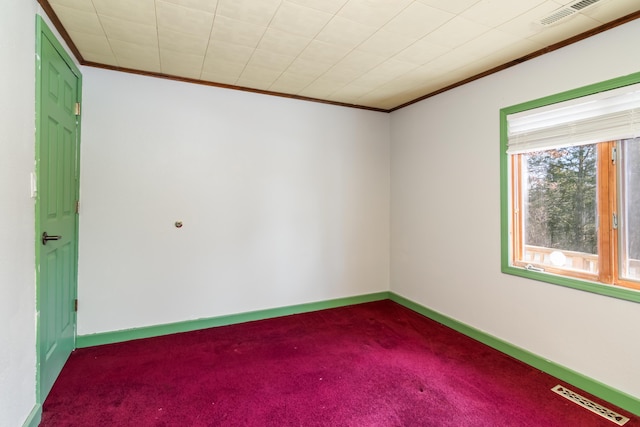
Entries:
{"x":566,"y":11}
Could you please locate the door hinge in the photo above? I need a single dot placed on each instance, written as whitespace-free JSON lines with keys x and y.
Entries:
{"x":614,"y":155}
{"x":77,"y":109}
{"x":614,"y":221}
{"x":75,"y":305}
{"x":77,"y":206}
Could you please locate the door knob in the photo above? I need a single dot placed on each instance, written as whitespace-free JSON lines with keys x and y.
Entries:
{"x":46,"y":238}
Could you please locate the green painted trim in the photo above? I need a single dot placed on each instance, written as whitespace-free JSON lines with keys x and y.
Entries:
{"x":192,"y":325}
{"x":616,"y":397}
{"x":35,"y":416}
{"x":43,"y":31}
{"x":583,"y":285}
{"x":603,"y":391}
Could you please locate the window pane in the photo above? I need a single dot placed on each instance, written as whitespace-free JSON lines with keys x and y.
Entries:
{"x":560,"y":208}
{"x":629,"y":223}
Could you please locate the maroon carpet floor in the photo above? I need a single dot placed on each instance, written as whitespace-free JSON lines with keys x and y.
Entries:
{"x":374,"y":364}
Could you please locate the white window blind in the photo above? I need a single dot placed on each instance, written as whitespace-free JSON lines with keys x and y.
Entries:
{"x":604,"y":116}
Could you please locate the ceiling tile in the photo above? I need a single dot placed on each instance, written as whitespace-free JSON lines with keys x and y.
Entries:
{"x":227,"y":71}
{"x":416,"y":78}
{"x":353,"y":66}
{"x":254,"y":12}
{"x":373,"y":98}
{"x":280,"y":42}
{"x":308,"y":69}
{"x":448,"y":62}
{"x":438,"y":81}
{"x":184,"y":20}
{"x":342,"y":31}
{"x":85,"y":5}
{"x":392,"y":69}
{"x":384,"y":98}
{"x":486,"y":44}
{"x":338,"y":77}
{"x":291,"y":82}
{"x":296,"y":19}
{"x":270,"y":60}
{"x":394,"y":101}
{"x":324,"y":52}
{"x":379,"y":53}
{"x":516,"y":50}
{"x":406,"y":82}
{"x":421,"y":52}
{"x":502,"y":56}
{"x":335,"y":79}
{"x":102,"y":58}
{"x":609,"y":10}
{"x":382,"y":105}
{"x":386,"y":43}
{"x":219,"y":78}
{"x":228,"y":52}
{"x":350,"y":93}
{"x":419,"y":76}
{"x":181,"y":64}
{"x":135,"y":56}
{"x":79,"y":21}
{"x":119,"y":29}
{"x":373,"y":13}
{"x":330,"y":6}
{"x":320,"y":89}
{"x":91,"y":42}
{"x":142,"y":11}
{"x":525,"y":25}
{"x":494,"y":12}
{"x":577,"y":24}
{"x":237,"y":32}
{"x":453,"y":6}
{"x":255,"y":76}
{"x":181,"y":42}
{"x":204,"y":5}
{"x":94,"y":48}
{"x":385,"y":72}
{"x":418,"y":20}
{"x":456,"y":32}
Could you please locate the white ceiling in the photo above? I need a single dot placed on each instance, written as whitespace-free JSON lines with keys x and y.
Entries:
{"x":371,"y":53}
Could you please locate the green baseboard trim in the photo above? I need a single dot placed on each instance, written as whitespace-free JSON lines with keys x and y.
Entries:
{"x":34,"y":418}
{"x":615,"y":397}
{"x":91,"y":340}
{"x":611,"y":395}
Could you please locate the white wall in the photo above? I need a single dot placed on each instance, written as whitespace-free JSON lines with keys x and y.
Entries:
{"x":446,"y":217}
{"x":17,"y":235}
{"x":283,"y":202}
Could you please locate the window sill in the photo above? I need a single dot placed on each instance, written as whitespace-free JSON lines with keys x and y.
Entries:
{"x":582,"y":285}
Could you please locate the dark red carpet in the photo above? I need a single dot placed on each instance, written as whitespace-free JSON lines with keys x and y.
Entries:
{"x":374,"y":364}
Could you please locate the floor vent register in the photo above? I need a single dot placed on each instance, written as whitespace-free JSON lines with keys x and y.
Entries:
{"x":590,"y":405}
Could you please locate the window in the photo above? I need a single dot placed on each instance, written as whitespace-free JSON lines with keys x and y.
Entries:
{"x":570,"y":188}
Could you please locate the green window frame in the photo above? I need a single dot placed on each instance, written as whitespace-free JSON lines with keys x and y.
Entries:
{"x":505,"y":194}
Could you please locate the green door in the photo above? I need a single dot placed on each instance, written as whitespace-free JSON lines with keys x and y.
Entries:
{"x":58,"y":87}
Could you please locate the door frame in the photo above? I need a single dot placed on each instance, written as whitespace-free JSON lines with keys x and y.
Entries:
{"x":42,"y":32}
